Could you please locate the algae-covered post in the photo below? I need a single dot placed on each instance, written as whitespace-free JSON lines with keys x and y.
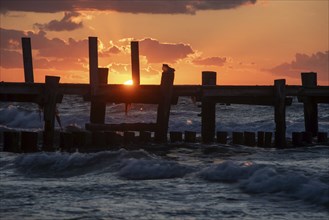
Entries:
{"x":27,"y":60}
{"x":135,"y":62}
{"x":309,"y":80}
{"x":93,"y":64}
{"x":208,"y":110}
{"x":280,"y":112}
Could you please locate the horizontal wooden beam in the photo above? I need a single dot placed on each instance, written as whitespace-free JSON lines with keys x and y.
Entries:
{"x":122,"y":127}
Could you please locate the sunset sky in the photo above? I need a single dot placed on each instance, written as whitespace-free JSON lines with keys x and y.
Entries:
{"x":247,"y":42}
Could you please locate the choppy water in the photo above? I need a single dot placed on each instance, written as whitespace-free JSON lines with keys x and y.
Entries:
{"x":186,"y":182}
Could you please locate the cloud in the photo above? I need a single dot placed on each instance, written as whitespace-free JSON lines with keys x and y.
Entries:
{"x":48,"y":53}
{"x":210,"y":61}
{"x":131,"y":6}
{"x":157,"y":52}
{"x":318,"y":62}
{"x":67,"y":23}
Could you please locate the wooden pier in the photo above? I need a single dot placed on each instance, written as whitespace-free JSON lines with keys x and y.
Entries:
{"x":98,"y":92}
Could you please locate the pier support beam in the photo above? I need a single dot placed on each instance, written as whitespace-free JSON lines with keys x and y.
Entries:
{"x":97,"y":108}
{"x":135,"y":62}
{"x":280,"y":112}
{"x":27,"y":60}
{"x":309,"y":80}
{"x":49,"y":111}
{"x":167,"y":82}
{"x":208,"y":110}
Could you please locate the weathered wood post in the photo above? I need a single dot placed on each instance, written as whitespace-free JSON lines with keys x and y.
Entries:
{"x":93,"y":64}
{"x":27,"y":60}
{"x":98,"y":108}
{"x":167,"y":82}
{"x":309,"y":80}
{"x":176,"y":136}
{"x":208,"y":110}
{"x":135,"y":62}
{"x":260,"y":138}
{"x":237,"y":138}
{"x":280,"y":112}
{"x":11,"y":141}
{"x":29,"y":141}
{"x":190,"y":136}
{"x":249,"y":138}
{"x":222,"y":137}
{"x":268,"y":139}
{"x":49,"y":111}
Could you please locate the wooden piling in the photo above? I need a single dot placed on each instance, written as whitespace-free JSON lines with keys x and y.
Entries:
{"x":11,"y":141}
{"x":29,"y":141}
{"x":280,"y":112}
{"x":190,"y":136}
{"x":297,"y":139}
{"x":307,"y":137}
{"x":79,"y":139}
{"x":50,"y":98}
{"x":135,"y":62}
{"x":237,"y":138}
{"x":113,"y":138}
{"x":309,"y":80}
{"x":167,"y":81}
{"x":322,"y":138}
{"x":260,"y":138}
{"x":208,"y":110}
{"x":249,"y":138}
{"x":145,"y":136}
{"x":221,"y":137}
{"x":27,"y":60}
{"x":176,"y":136}
{"x":93,"y":64}
{"x":268,"y":139}
{"x":98,"y":139}
{"x":66,"y":141}
{"x":98,"y":108}
{"x":129,"y":137}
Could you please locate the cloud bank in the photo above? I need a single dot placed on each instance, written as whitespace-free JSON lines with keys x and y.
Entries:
{"x":130,"y":6}
{"x":317,"y":62}
{"x":210,"y":61}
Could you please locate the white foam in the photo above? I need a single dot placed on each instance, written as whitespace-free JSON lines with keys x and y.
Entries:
{"x":254,"y":178}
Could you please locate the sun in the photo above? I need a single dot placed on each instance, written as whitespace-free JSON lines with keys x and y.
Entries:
{"x":128,"y":82}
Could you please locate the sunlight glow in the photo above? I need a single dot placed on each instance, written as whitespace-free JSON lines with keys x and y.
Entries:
{"x":128,"y":82}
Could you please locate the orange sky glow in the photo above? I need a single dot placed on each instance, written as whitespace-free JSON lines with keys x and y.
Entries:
{"x":247,"y":42}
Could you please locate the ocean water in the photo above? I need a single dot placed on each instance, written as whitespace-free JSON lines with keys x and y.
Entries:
{"x":186,"y":181}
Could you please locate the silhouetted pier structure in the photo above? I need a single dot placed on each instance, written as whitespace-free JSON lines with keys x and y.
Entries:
{"x":99,"y":92}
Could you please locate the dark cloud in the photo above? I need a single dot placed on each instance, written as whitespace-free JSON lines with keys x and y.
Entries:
{"x":157,"y":52}
{"x":130,"y":6}
{"x":318,"y":62}
{"x":67,"y":23}
{"x":210,"y":61}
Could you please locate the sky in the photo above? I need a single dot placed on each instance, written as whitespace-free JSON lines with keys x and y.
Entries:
{"x":247,"y":42}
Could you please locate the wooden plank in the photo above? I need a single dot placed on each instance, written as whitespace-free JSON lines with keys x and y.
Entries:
{"x":167,"y":81}
{"x":135,"y":62}
{"x":309,"y":81}
{"x":98,"y":107}
{"x":208,"y":109}
{"x":122,"y":127}
{"x":280,"y":113}
{"x":27,"y":60}
{"x":49,"y":111}
{"x":93,"y":64}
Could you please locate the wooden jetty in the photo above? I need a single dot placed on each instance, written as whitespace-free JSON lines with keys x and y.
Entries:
{"x":99,"y":92}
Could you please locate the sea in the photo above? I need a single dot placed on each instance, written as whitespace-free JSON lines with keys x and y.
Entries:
{"x":184,"y":181}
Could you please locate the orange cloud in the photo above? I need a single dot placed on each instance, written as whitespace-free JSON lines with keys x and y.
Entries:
{"x":210,"y":61}
{"x":318,"y":62}
{"x":67,"y":23}
{"x":157,"y":52}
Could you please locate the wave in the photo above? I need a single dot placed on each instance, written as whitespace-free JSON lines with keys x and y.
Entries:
{"x":264,"y":179}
